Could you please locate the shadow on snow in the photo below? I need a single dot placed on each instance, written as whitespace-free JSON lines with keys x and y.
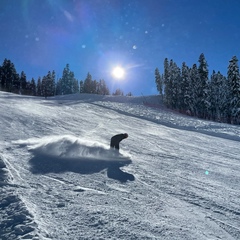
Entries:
{"x":52,"y":164}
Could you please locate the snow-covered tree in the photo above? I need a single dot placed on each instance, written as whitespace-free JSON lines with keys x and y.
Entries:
{"x":102,"y":88}
{"x":175,"y":81}
{"x":81,"y":86}
{"x":16,"y":84}
{"x":203,"y":86}
{"x":94,"y":86}
{"x":167,"y":83}
{"x":218,"y":95}
{"x":159,"y":82}
{"x":23,"y":83}
{"x":234,"y":83}
{"x":75,"y":86}
{"x":185,"y":87}
{"x":67,"y":84}
{"x":52,"y":83}
{"x":87,"y":84}
{"x":39,"y":87}
{"x":48,"y":84}
{"x":225,"y":99}
{"x":195,"y":91}
{"x":9,"y":78}
{"x":33,"y":87}
{"x":44,"y":86}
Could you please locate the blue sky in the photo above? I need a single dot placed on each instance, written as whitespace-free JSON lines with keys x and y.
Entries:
{"x":96,"y":35}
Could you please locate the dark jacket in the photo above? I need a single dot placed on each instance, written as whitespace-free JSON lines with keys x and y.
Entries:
{"x":115,"y":140}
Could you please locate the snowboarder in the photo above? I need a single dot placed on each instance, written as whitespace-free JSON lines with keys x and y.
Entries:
{"x":115,"y":140}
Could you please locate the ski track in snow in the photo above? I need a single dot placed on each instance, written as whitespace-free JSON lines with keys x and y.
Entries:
{"x":176,"y":177}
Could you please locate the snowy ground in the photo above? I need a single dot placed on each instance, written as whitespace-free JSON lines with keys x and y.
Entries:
{"x":176,"y":178}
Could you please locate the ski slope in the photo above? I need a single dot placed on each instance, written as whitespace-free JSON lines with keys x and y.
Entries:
{"x":176,"y":177}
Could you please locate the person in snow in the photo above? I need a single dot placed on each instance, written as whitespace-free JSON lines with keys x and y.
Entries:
{"x":115,"y":140}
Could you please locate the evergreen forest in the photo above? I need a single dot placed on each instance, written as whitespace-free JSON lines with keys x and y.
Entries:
{"x":47,"y":86}
{"x":191,"y":91}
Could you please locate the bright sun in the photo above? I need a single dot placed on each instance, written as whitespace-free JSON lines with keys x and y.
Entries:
{"x":118,"y":72}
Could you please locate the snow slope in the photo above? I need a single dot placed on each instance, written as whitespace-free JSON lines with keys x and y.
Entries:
{"x":176,"y":177}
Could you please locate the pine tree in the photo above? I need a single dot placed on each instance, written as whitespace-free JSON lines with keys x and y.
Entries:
{"x":23,"y":83}
{"x":195,"y":91}
{"x":218,"y":97}
{"x":94,"y":87}
{"x":102,"y":88}
{"x":52,"y":83}
{"x":234,"y":83}
{"x":159,"y":82}
{"x":6,"y":79}
{"x":33,"y":87}
{"x":16,"y":82}
{"x":167,"y":83}
{"x":87,"y":85}
{"x":203,"y":86}
{"x":214,"y":95}
{"x":175,"y":80}
{"x":225,"y":99}
{"x":75,"y":86}
{"x":9,"y":77}
{"x":44,"y":87}
{"x":67,"y":83}
{"x":39,"y":87}
{"x":48,"y":84}
{"x":59,"y":88}
{"x":185,"y":88}
{"x":81,"y":86}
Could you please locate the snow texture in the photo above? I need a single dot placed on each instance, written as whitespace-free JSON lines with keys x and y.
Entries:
{"x":175,"y":177}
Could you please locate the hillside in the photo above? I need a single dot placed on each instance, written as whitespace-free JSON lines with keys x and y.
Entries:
{"x":176,"y":177}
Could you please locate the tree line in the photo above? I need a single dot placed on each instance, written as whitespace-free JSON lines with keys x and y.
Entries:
{"x":46,"y":86}
{"x":189,"y":90}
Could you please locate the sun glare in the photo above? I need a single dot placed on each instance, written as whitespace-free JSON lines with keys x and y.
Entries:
{"x":118,"y":72}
